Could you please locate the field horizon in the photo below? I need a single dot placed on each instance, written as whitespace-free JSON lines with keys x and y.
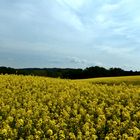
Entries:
{"x":70,"y":73}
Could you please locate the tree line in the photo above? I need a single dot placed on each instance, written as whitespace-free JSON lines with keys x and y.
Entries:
{"x":70,"y":73}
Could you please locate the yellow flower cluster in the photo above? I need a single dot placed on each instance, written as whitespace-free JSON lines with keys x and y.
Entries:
{"x":37,"y":108}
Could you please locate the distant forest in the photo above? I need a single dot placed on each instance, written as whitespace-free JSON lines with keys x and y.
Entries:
{"x":70,"y":73}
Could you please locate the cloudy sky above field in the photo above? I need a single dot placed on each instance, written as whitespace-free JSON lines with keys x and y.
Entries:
{"x":70,"y":33}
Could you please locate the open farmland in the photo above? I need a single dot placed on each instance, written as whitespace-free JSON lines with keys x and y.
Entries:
{"x":133,"y":80}
{"x":54,"y":109}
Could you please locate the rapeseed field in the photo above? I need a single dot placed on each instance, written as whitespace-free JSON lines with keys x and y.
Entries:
{"x":39,"y":108}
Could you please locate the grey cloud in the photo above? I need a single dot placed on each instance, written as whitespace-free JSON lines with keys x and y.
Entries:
{"x":93,"y":33}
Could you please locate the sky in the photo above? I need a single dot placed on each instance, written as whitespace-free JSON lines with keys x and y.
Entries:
{"x":70,"y":33}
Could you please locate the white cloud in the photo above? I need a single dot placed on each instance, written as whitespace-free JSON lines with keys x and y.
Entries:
{"x":117,"y":50}
{"x":120,"y":30}
{"x":76,"y":60}
{"x":110,"y":7}
{"x":101,"y":18}
{"x":75,"y":4}
{"x":67,"y":16}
